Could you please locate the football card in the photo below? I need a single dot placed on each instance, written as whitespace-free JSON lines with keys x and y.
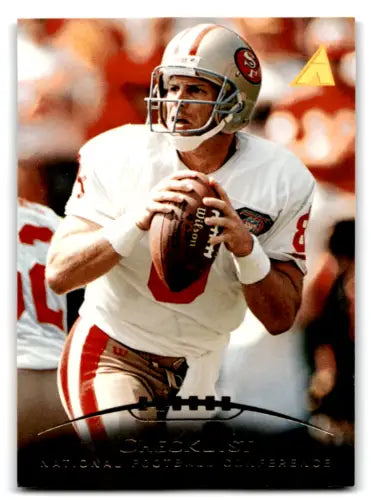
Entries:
{"x":213,"y":349}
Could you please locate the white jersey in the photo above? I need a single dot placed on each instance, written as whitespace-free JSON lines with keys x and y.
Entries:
{"x":41,"y":315}
{"x":268,"y":186}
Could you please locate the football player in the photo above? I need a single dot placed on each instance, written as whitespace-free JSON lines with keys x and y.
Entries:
{"x":50,"y":129}
{"x":41,"y":324}
{"x":127,"y":343}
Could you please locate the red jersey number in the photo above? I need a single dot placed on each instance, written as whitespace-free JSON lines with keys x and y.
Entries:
{"x":162,"y":294}
{"x":299,"y":237}
{"x":44,"y":314}
{"x":80,"y":179}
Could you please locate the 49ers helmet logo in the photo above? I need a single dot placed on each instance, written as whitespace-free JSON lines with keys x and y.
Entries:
{"x":248,"y":64}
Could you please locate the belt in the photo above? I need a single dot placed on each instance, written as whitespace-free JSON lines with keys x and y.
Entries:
{"x":170,"y":362}
{"x":175,"y":368}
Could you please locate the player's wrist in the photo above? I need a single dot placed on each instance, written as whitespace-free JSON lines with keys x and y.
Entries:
{"x":253,"y":267}
{"x":123,"y":234}
{"x":246,"y":249}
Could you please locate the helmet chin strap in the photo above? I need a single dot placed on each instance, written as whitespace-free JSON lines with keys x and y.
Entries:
{"x":184,"y":143}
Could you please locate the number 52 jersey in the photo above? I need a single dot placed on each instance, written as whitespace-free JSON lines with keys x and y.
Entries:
{"x":41,"y":314}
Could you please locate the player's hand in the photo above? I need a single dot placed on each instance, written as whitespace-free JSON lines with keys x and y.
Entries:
{"x":169,"y":190}
{"x":235,"y":236}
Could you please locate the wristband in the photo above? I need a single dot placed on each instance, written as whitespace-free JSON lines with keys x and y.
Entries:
{"x":123,"y":234}
{"x":253,"y":267}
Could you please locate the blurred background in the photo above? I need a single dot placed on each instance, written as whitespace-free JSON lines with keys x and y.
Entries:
{"x":80,"y":77}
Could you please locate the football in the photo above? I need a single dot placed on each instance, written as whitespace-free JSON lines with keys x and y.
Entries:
{"x":179,"y":241}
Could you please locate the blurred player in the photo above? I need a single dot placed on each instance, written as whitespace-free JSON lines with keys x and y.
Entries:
{"x":56,"y":99}
{"x":328,"y":315}
{"x":136,"y":338}
{"x":41,"y":324}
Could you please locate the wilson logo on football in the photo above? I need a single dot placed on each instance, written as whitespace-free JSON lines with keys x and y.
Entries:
{"x":198,"y":225}
{"x":248,"y":64}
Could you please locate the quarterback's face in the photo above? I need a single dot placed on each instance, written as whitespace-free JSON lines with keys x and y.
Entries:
{"x":190,"y":115}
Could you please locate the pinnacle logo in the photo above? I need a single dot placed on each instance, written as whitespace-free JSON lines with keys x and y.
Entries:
{"x":317,"y":72}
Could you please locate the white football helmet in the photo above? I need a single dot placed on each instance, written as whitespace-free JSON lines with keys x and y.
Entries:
{"x":219,"y":55}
